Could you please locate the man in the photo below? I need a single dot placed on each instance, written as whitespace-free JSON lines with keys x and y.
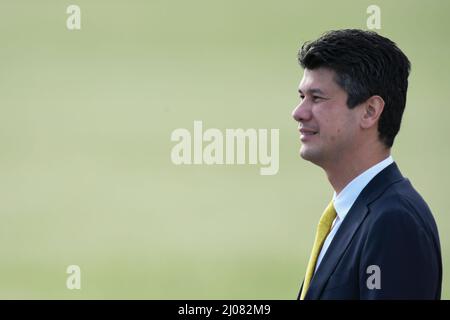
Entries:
{"x":377,"y":239}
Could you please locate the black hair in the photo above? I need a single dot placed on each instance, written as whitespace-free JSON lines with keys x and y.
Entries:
{"x":365,"y":64}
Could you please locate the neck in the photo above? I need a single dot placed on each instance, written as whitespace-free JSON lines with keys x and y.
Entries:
{"x":340,"y":173}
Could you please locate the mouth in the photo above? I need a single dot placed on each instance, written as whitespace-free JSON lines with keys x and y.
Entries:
{"x":306,"y":134}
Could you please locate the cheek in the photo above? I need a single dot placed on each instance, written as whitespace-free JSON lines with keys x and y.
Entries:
{"x":339,"y":131}
{"x":346,"y":130}
{"x":334,"y":126}
{"x":335,"y":135}
{"x":331,"y":127}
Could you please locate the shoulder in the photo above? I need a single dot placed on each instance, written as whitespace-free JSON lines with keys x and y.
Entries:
{"x":399,"y":208}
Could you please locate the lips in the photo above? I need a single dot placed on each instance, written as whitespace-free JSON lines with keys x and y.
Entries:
{"x":307,"y":132}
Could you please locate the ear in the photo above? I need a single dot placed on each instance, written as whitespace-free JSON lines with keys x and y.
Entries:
{"x":372,"y":109}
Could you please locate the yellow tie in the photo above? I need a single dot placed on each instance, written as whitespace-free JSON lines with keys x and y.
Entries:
{"x":323,"y":229}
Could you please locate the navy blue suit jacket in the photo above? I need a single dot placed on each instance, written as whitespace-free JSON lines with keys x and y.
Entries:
{"x":390,"y":227}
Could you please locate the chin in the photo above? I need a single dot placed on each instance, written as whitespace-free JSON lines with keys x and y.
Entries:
{"x":309,"y":154}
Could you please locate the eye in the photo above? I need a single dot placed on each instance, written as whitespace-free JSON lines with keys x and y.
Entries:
{"x":316,"y":98}
{"x":302,"y":97}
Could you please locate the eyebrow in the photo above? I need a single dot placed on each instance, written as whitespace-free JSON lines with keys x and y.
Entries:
{"x":312,"y":91}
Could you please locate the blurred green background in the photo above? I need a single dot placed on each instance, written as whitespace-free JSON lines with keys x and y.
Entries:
{"x":85,"y":123}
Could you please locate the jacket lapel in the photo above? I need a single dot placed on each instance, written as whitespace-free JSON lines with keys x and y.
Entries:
{"x":349,"y":226}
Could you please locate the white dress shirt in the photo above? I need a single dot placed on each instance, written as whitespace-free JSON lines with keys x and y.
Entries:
{"x":347,"y":197}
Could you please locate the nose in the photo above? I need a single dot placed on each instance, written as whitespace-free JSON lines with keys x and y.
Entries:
{"x":301,"y":112}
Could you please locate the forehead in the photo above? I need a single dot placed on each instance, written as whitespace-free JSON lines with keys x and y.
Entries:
{"x":320,"y":78}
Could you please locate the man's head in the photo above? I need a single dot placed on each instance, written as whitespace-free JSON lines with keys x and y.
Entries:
{"x":353,"y":93}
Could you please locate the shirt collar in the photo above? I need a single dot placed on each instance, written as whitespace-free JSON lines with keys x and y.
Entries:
{"x":345,"y":199}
